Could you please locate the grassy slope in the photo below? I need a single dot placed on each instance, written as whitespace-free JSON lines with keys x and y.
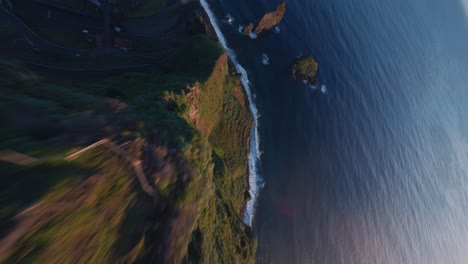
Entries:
{"x":77,"y":198}
{"x":203,"y":213}
{"x":152,"y":7}
{"x":148,"y":8}
{"x":224,"y":119}
{"x":97,"y":220}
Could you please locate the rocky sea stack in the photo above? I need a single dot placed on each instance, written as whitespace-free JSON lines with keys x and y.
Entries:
{"x":268,"y":22}
{"x":305,"y":68}
{"x":248,"y":29}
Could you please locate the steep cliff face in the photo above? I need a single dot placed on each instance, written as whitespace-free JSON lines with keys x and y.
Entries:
{"x":268,"y":22}
{"x":217,"y":108}
{"x":168,"y":185}
{"x":133,"y":199}
{"x":192,"y":147}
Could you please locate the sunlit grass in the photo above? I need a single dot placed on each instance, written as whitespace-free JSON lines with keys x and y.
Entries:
{"x":92,"y":208}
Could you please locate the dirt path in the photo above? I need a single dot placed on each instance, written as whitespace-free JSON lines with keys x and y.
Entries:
{"x":136,"y":163}
{"x":137,"y":167}
{"x":16,"y":158}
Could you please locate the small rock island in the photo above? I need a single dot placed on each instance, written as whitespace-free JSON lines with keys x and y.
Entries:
{"x":305,"y":68}
{"x":248,"y":29}
{"x":268,"y":22}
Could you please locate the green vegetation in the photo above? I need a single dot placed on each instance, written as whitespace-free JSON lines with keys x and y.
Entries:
{"x":4,"y":29}
{"x":193,"y":143}
{"x":25,"y":185}
{"x":75,"y":40}
{"x":72,"y":4}
{"x":151,"y":7}
{"x":218,"y":109}
{"x":78,"y":6}
{"x":195,"y":57}
{"x":128,"y":8}
{"x":91,"y":219}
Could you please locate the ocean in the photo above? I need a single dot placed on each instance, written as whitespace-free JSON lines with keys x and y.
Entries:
{"x":371,"y":167}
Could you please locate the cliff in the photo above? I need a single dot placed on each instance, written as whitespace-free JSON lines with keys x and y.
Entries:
{"x":268,"y":22}
{"x":130,"y":168}
{"x":218,"y":108}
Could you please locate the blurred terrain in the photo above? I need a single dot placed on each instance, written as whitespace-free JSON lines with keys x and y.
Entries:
{"x":122,"y":156}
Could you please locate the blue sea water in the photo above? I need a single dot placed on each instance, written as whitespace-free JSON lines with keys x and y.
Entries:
{"x":372,"y":167}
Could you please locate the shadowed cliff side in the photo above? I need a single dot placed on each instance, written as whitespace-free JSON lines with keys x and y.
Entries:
{"x":93,"y":209}
{"x":139,"y":167}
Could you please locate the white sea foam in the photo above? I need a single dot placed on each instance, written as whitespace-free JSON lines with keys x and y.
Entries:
{"x":465,"y":6}
{"x":255,"y":180}
{"x":228,"y":19}
{"x":251,"y":34}
{"x":323,"y":88}
{"x":265,"y":59}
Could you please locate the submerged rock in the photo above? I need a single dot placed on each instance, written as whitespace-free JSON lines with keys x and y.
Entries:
{"x":265,"y":59}
{"x":305,"y":68}
{"x":268,"y":22}
{"x":228,"y":19}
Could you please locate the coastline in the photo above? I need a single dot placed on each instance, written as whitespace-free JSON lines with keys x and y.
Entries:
{"x":193,"y":129}
{"x":255,"y":180}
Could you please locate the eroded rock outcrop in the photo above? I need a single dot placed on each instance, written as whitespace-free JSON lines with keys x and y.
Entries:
{"x":305,"y":68}
{"x":268,"y":22}
{"x":248,"y":29}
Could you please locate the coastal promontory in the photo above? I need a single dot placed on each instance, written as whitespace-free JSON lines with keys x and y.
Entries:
{"x":305,"y":68}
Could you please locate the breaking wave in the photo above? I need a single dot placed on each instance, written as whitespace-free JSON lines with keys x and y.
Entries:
{"x":255,"y":179}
